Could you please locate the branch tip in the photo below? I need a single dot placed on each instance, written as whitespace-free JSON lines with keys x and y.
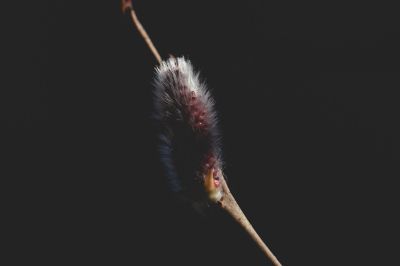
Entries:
{"x":126,"y":5}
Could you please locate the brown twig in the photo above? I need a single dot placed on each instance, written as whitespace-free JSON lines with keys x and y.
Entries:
{"x":127,"y":6}
{"x":229,"y":204}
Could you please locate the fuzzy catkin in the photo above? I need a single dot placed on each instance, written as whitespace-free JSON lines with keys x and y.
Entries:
{"x":188,"y":127}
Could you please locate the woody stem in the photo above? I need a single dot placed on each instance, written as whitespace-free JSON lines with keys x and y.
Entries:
{"x":229,"y":204}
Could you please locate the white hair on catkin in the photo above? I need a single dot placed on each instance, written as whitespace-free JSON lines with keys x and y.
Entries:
{"x":189,"y":136}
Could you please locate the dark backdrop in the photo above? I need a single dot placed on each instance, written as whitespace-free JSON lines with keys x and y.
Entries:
{"x":308,"y":107}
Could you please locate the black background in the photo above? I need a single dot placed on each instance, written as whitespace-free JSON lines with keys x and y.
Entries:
{"x":308,"y":108}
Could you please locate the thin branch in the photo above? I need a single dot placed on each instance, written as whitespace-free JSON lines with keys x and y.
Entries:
{"x":229,"y":204}
{"x":127,"y":5}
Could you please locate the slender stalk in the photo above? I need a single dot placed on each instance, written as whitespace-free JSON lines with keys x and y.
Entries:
{"x":229,"y":204}
{"x":127,"y":5}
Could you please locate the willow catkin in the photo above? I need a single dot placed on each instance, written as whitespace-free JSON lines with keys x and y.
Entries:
{"x":189,"y":136}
